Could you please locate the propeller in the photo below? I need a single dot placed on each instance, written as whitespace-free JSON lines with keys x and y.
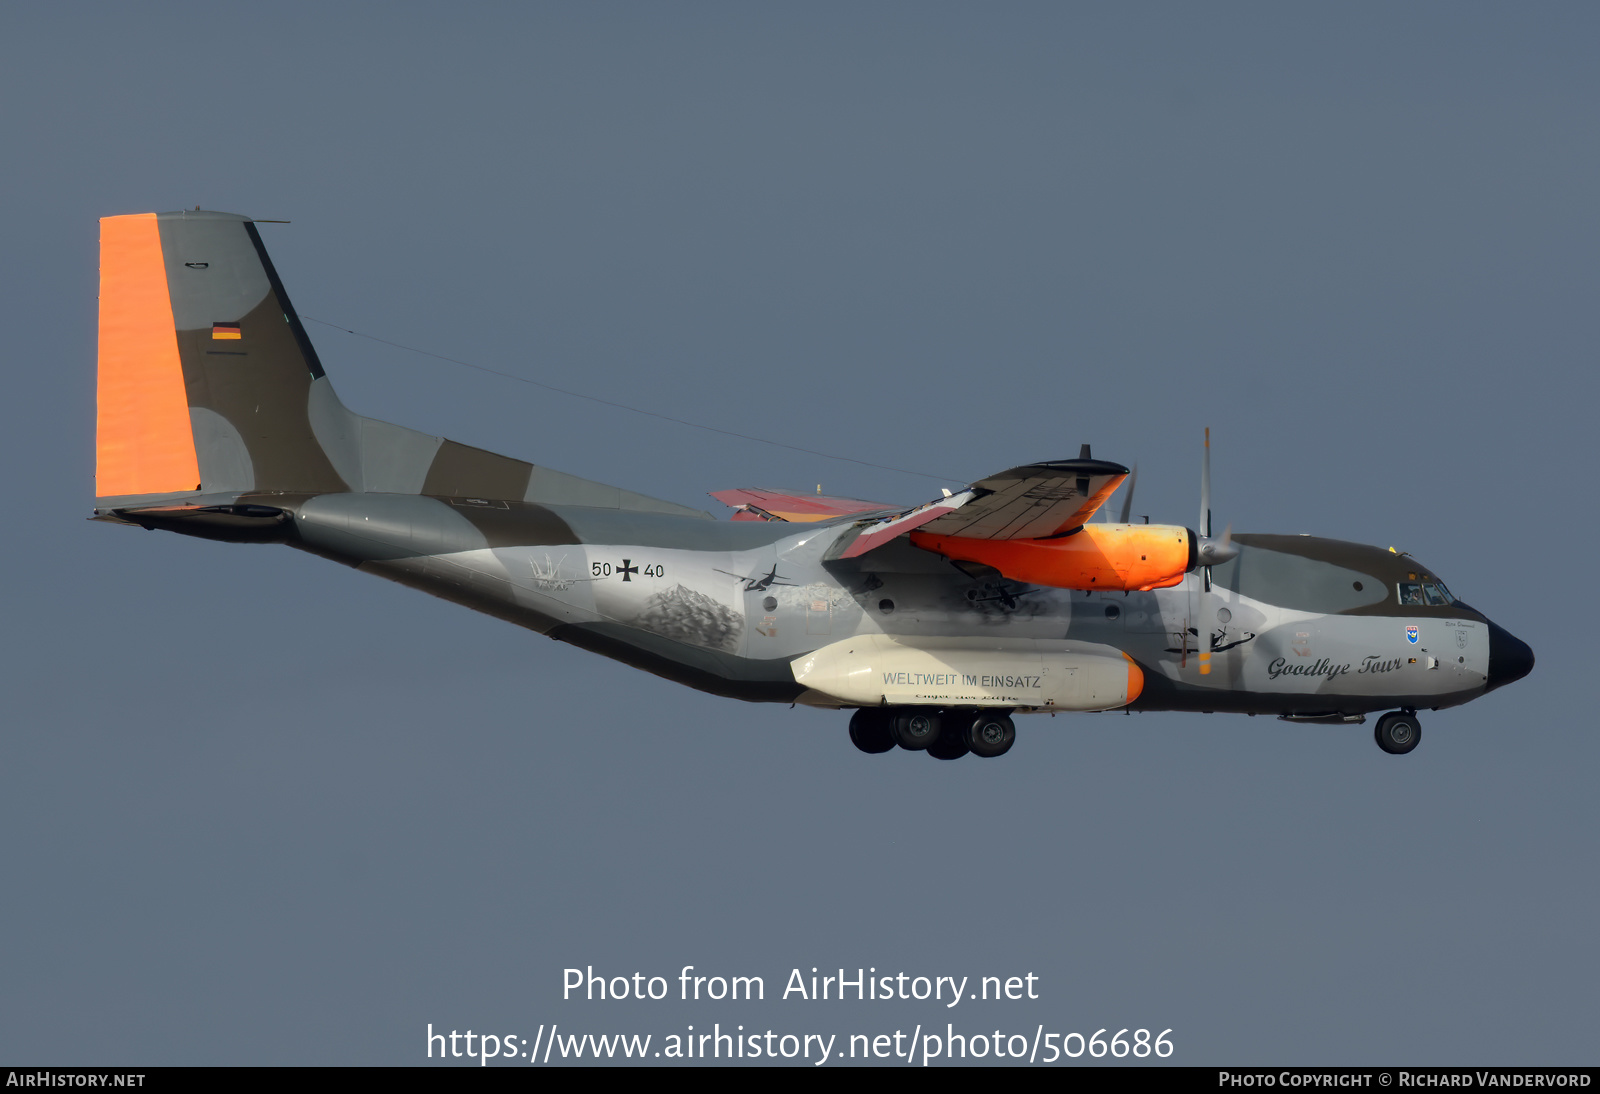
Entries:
{"x":1210,"y":552}
{"x":1103,"y":514}
{"x":1127,"y":499}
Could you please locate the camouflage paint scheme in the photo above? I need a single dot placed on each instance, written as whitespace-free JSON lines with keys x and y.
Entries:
{"x":1295,"y":625}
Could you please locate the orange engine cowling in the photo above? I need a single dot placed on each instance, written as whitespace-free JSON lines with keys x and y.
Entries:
{"x":1129,"y":557}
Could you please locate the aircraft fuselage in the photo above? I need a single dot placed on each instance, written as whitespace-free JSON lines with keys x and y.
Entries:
{"x":1296,"y":625}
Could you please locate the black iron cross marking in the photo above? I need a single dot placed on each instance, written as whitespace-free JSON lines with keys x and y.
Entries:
{"x":627,"y":568}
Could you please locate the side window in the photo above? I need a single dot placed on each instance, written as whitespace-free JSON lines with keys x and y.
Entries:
{"x":1432,"y":595}
{"x":1410,"y":593}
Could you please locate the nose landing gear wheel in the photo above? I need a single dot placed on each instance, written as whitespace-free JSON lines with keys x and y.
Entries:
{"x":870,"y":732}
{"x":1398,"y":732}
{"x":915,"y":730}
{"x":991,"y":735}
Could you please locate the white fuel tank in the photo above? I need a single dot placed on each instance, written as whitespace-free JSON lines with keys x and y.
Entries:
{"x":1020,"y":673}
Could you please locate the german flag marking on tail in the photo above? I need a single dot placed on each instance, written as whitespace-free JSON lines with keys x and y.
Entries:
{"x":143,"y":441}
{"x":225,"y":332}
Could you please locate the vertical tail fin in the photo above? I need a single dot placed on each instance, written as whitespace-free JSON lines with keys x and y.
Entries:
{"x":206,"y":374}
{"x":209,"y":385}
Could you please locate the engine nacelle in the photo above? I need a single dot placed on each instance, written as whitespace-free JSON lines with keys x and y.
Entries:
{"x":1126,"y":557}
{"x":1016,"y":673}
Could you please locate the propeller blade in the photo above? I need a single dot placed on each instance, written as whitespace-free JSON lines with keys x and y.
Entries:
{"x":1205,"y":488}
{"x":1127,"y":499}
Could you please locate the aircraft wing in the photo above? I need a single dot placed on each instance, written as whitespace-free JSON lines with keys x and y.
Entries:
{"x":1029,"y":502}
{"x":1033,"y":501}
{"x":754,"y":504}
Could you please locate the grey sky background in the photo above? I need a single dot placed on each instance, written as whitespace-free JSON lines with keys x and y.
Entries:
{"x":256,"y":808}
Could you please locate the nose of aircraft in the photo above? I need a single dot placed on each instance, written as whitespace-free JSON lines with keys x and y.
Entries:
{"x":1510,"y":658}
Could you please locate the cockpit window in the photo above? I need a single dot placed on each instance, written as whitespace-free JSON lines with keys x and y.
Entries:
{"x":1431,"y":593}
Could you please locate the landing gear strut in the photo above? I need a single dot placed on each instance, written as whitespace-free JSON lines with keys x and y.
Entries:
{"x":1398,"y":732}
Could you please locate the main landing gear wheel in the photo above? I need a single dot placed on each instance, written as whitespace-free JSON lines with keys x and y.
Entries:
{"x":1398,"y":732}
{"x":870,"y":731}
{"x":991,"y":735}
{"x":952,"y":743}
{"x":915,"y":730}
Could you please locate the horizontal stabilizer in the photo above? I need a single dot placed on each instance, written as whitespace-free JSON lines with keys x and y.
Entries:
{"x":233,"y":523}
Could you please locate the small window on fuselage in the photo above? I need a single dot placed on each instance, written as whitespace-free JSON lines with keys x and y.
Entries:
{"x":1433,"y":595}
{"x":1410,"y":593}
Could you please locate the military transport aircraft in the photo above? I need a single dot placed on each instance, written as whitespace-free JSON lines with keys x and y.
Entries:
{"x":933,"y":624}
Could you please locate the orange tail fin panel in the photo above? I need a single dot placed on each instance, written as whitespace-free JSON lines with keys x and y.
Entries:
{"x":143,"y":441}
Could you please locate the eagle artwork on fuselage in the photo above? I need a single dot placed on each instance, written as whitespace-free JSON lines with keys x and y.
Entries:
{"x":934,"y":624}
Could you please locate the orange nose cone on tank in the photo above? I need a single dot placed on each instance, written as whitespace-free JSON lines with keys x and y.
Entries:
{"x":1135,"y":679}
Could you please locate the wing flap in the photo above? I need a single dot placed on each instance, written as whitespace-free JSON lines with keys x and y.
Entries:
{"x":756,"y":504}
{"x":876,"y":535}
